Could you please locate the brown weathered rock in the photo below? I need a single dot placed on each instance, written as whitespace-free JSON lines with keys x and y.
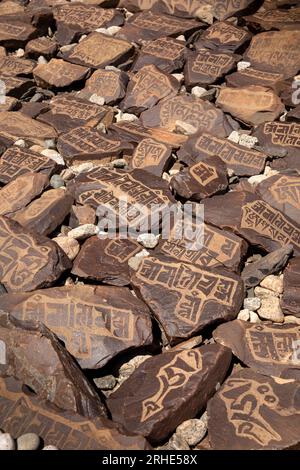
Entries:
{"x":22,"y":413}
{"x":28,"y":261}
{"x":41,"y":46}
{"x":16,"y":86}
{"x":186,"y":298}
{"x":14,"y":33}
{"x":254,"y":412}
{"x":250,"y":76}
{"x":96,"y":323}
{"x":273,"y":19}
{"x":242,"y":160}
{"x":291,"y":288}
{"x":21,"y":191}
{"x":81,"y":215}
{"x":106,"y":260}
{"x":107,"y":84}
{"x":16,"y":161}
{"x":13,"y":66}
{"x":167,"y":54}
{"x":151,"y":155}
{"x":223,"y":35}
{"x":201,"y":180}
{"x":253,"y":104}
{"x":167,"y":389}
{"x":58,"y":73}
{"x":267,"y":349}
{"x":36,"y":358}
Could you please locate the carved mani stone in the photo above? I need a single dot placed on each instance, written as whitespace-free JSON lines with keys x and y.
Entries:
{"x":28,"y":261}
{"x":166,"y":54}
{"x":15,"y":33}
{"x":36,"y":358}
{"x":254,"y":411}
{"x":167,"y":389}
{"x":58,"y":73}
{"x":96,"y":323}
{"x":267,"y":349}
{"x":186,"y":298}
{"x":21,"y":413}
{"x":108,"y":84}
{"x":222,"y":35}
{"x":290,"y":303}
{"x":251,"y":76}
{"x":14,"y":66}
{"x":41,"y":46}
{"x":151,"y":155}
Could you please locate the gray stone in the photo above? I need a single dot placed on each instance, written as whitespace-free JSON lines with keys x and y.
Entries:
{"x":56,"y":181}
{"x":108,"y":382}
{"x":252,"y":303}
{"x":193,"y":430}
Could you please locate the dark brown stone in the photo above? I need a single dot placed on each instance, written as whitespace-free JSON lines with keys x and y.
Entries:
{"x":22,"y":413}
{"x":28,"y":261}
{"x":151,"y":155}
{"x":81,"y":215}
{"x":58,"y":73}
{"x":16,"y":86}
{"x":281,"y":139}
{"x":16,"y":161}
{"x":9,"y":104}
{"x":167,"y":389}
{"x":108,"y":84}
{"x":186,"y":298}
{"x":205,"y":67}
{"x":276,"y":19}
{"x":167,"y":54}
{"x":242,"y":160}
{"x":147,"y":87}
{"x":294,"y":114}
{"x":16,"y":125}
{"x":252,"y":218}
{"x":14,"y":33}
{"x":35,"y":356}
{"x":41,"y":46}
{"x":186,"y":109}
{"x":96,"y":323}
{"x":201,"y":180}
{"x":251,"y":76}
{"x":98,"y":50}
{"x":290,"y":302}
{"x":21,"y":191}
{"x":223,"y":36}
{"x":14,"y":66}
{"x":106,"y":260}
{"x":267,"y":349}
{"x":255,"y":412}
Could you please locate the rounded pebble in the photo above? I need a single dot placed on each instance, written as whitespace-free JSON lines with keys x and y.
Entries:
{"x":7,"y":442}
{"x":29,"y":441}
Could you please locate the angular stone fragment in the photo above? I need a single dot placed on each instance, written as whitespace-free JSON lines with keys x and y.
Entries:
{"x":13,"y":66}
{"x":107,"y":84}
{"x":36,"y":358}
{"x":16,"y":125}
{"x":58,"y":73}
{"x":251,"y":76}
{"x":167,"y":389}
{"x":95,"y":322}
{"x":290,"y":303}
{"x":186,"y":298}
{"x":16,"y":86}
{"x":201,"y":180}
{"x":15,"y":33}
{"x":167,"y":54}
{"x":255,"y":412}
{"x":223,"y":35}
{"x":22,"y":413}
{"x":273,"y":19}
{"x":152,"y":156}
{"x":17,"y":161}
{"x":147,"y":87}
{"x":21,"y":191}
{"x":98,"y":50}
{"x":41,"y":46}
{"x":253,"y":104}
{"x":28,"y":261}
{"x":242,"y":160}
{"x":196,"y":112}
{"x":106,"y":260}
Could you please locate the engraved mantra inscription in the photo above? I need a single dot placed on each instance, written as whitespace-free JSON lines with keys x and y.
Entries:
{"x":120,"y":251}
{"x":211,"y":64}
{"x":283,"y":134}
{"x":15,"y":163}
{"x":75,"y":109}
{"x":204,"y":173}
{"x":225,"y":33}
{"x":148,"y":153}
{"x":287,"y":189}
{"x":175,"y":110}
{"x":163,"y":48}
{"x":86,"y":18}
{"x":150,"y":84}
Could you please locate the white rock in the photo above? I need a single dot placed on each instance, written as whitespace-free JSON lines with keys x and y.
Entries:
{"x":20,"y":53}
{"x":97,"y":99}
{"x":273,"y":283}
{"x":20,"y":143}
{"x":83,"y":231}
{"x":125,"y":117}
{"x":242,"y":65}
{"x":42,"y":60}
{"x":198,"y":91}
{"x":247,"y":140}
{"x":28,"y":441}
{"x":101,"y":127}
{"x":148,"y":240}
{"x":54,"y":155}
{"x":244,"y":314}
{"x":256,"y":179}
{"x":268,"y":171}
{"x":67,"y":47}
{"x":178,"y":76}
{"x":193,"y":430}
{"x":112,"y":30}
{"x":234,"y":137}
{"x":136,"y":260}
{"x":82,"y":168}
{"x":205,"y":13}
{"x":184,"y":128}
{"x":69,"y":245}
{"x":230,"y":172}
{"x":270,"y":310}
{"x":7,"y":442}
{"x":37,"y":148}
{"x":112,"y":67}
{"x":252,"y":303}
{"x":180,"y":38}
{"x":166,"y":176}
{"x":50,"y":447}
{"x":291,"y":319}
{"x":82,"y":37}
{"x":254,"y":318}
{"x":49,"y":144}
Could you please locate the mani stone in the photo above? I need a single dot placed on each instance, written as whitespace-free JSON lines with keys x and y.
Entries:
{"x":242,"y":160}
{"x":273,"y":19}
{"x":223,"y":9}
{"x":148,"y":26}
{"x":74,"y":19}
{"x":151,"y":155}
{"x":252,"y":218}
{"x":250,"y":76}
{"x":275,"y":51}
{"x":186,"y":298}
{"x":147,"y":87}
{"x":21,"y":413}
{"x":223,"y":36}
{"x":266,"y":348}
{"x":42,"y":46}
{"x":252,"y":104}
{"x":58,"y":73}
{"x":45,"y":214}
{"x":282,"y":191}
{"x":166,"y":54}
{"x":98,"y":50}
{"x":16,"y":86}
{"x":105,"y":260}
{"x":254,"y":412}
{"x":199,"y":114}
{"x":20,"y":192}
{"x":34,"y":355}
{"x":107,"y":84}
{"x":14,"y":66}
{"x":290,"y":303}
{"x":255,"y":272}
{"x":205,"y":67}
{"x":167,"y":389}
{"x":201,"y":180}
{"x":15,"y":33}
{"x":16,"y":125}
{"x":96,"y":323}
{"x":28,"y":260}
{"x":68,"y":111}
{"x":83,"y":144}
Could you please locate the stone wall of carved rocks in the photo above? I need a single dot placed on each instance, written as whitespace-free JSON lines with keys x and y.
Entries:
{"x":149,"y":341}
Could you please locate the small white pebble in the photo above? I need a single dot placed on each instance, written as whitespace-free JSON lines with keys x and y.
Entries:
{"x":7,"y":442}
{"x":20,"y":52}
{"x":20,"y":143}
{"x":42,"y":60}
{"x":242,"y":65}
{"x":97,"y":99}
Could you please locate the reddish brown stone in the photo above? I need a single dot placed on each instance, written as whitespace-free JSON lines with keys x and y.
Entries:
{"x":151,"y":155}
{"x":276,"y":19}
{"x":290,"y":302}
{"x":41,"y":46}
{"x":58,"y":73}
{"x":14,"y":33}
{"x":223,"y":35}
{"x":13,"y":66}
{"x":16,"y":86}
{"x":108,"y":84}
{"x":251,"y":76}
{"x":167,"y":54}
